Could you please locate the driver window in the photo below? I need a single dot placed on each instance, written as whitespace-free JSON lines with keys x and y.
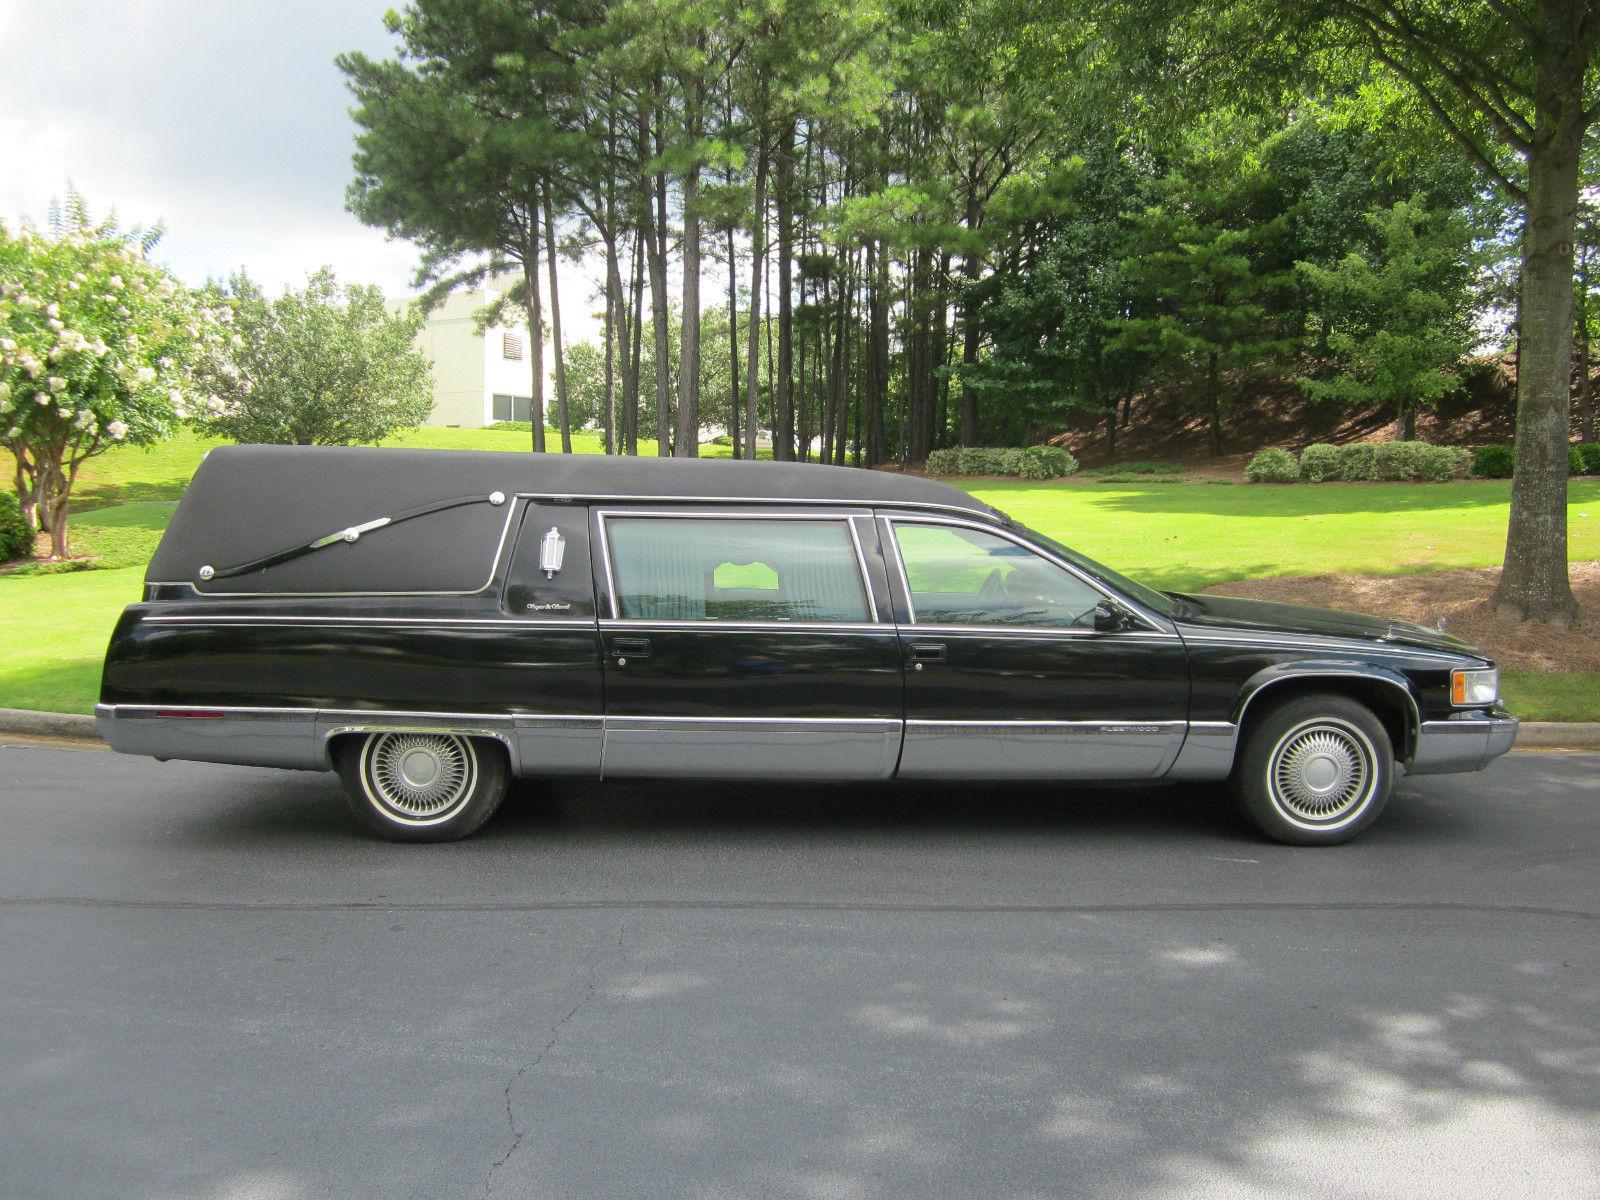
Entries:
{"x":960,"y":576}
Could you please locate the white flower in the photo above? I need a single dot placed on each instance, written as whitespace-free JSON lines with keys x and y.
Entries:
{"x":57,"y":384}
{"x":176,"y":397}
{"x":117,"y":430}
{"x":116,"y":282}
{"x":41,"y":398}
{"x":52,"y":309}
{"x":68,"y":413}
{"x":7,"y":344}
{"x":73,"y":285}
{"x":145,"y":374}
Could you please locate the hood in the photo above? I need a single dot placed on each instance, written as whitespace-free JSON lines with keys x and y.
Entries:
{"x":1265,"y":616}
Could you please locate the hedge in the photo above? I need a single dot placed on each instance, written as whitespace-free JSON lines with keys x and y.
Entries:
{"x":1584,"y":458}
{"x":1319,"y":463}
{"x":1027,"y":462}
{"x":1493,"y":462}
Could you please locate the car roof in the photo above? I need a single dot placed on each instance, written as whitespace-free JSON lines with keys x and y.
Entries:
{"x":248,"y":501}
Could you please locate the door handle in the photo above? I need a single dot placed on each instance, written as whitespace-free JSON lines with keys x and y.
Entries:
{"x":630,"y":647}
{"x":927,"y":652}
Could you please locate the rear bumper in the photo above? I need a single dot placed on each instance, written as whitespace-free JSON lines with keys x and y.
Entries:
{"x":1465,"y":742}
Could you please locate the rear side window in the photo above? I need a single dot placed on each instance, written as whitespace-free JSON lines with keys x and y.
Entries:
{"x":735,"y":569}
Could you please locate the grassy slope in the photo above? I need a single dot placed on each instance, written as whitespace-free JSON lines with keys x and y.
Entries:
{"x":1173,"y":535}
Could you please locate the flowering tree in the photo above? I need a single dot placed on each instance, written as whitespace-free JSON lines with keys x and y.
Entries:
{"x":96,"y":349}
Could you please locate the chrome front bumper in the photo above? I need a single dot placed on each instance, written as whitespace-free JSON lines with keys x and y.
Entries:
{"x":1465,"y":742}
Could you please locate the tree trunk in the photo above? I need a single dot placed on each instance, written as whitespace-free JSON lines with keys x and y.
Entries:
{"x":632,"y":367}
{"x":686,"y":442}
{"x":530,"y":277}
{"x":562,"y":421}
{"x":1533,"y":581}
{"x":1214,"y":393}
{"x":1406,"y":426}
{"x":758,"y":254}
{"x":969,"y":328}
{"x":783,"y":416}
{"x":1585,"y":384}
{"x":877,"y":448}
{"x":656,"y":218}
{"x":734,"y":397}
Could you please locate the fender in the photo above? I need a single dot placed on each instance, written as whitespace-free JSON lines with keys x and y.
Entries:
{"x":1268,"y":679}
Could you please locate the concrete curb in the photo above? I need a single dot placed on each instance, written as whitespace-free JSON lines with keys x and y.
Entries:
{"x":28,"y":723}
{"x":1534,"y":735}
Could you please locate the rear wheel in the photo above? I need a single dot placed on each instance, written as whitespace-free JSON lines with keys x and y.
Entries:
{"x":421,"y":786}
{"x":1315,"y":770}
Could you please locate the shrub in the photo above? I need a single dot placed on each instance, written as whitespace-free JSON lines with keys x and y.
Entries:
{"x":1399,"y":461}
{"x":989,"y":460}
{"x":16,"y":539}
{"x":943,"y":462}
{"x":1273,"y":466}
{"x":1319,"y":463}
{"x":1493,"y":462}
{"x":1358,"y":462}
{"x":1437,"y":464}
{"x":722,"y":439}
{"x":1137,"y":467}
{"x":1584,"y":458}
{"x":1046,"y":462}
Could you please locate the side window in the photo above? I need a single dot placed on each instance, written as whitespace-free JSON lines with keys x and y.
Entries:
{"x":961,"y":576}
{"x":726,"y":569}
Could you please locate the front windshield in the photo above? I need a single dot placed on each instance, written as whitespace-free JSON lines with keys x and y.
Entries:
{"x":1158,"y":602}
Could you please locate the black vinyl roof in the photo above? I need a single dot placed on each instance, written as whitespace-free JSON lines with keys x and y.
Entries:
{"x":247,"y":502}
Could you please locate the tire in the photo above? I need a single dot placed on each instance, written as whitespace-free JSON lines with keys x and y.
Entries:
{"x":421,"y":786}
{"x":1315,"y":770}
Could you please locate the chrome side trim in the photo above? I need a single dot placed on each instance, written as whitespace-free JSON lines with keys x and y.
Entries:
{"x":844,"y":514}
{"x":713,"y":626}
{"x":257,"y":737}
{"x":1040,"y":750}
{"x":1207,"y":752}
{"x":798,"y":748}
{"x":1035,"y":631}
{"x":274,"y":619}
{"x":774,"y":501}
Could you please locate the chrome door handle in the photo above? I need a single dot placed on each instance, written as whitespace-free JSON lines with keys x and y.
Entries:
{"x":632,"y":647}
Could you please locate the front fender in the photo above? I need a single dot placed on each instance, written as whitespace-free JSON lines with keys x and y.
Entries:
{"x":1265,"y":681}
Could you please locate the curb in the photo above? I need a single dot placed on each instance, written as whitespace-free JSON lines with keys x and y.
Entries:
{"x":29,"y":723}
{"x":1534,"y":735}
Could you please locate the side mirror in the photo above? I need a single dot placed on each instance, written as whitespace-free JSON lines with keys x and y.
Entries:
{"x":1110,"y":617}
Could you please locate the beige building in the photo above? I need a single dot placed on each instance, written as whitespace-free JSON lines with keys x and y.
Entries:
{"x":478,"y":378}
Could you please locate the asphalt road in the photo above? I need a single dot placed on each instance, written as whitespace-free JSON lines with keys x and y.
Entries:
{"x":211,"y":985}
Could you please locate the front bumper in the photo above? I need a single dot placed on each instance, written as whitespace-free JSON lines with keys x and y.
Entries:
{"x":1468,"y":741}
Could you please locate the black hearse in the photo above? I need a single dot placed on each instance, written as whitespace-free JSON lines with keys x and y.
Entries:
{"x":431,"y":623}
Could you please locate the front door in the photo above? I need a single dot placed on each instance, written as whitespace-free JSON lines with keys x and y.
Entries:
{"x":1007,"y":677}
{"x":747,"y":644}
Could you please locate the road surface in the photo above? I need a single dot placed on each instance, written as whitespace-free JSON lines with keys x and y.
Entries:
{"x":213,"y":985}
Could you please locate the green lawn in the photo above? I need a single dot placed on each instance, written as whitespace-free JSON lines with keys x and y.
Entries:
{"x":1173,"y":535}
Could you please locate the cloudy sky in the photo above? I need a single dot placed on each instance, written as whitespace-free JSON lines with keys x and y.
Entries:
{"x":225,"y":118}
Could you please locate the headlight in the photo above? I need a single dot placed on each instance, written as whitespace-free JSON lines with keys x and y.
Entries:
{"x":1474,"y":689}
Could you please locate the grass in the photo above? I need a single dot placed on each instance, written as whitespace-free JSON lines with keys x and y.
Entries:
{"x":1172,"y":535}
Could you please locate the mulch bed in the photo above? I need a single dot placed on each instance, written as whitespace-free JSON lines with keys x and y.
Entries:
{"x":1461,"y":598}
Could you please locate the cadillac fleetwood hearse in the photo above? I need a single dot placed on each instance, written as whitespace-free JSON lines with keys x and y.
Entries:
{"x":429,"y":624}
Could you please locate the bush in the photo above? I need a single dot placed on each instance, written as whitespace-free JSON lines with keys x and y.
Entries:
{"x":1047,"y":462}
{"x":1358,"y":462}
{"x":1440,"y":464}
{"x":1319,"y":463}
{"x":1137,"y":467}
{"x":1399,"y":461}
{"x":16,"y":539}
{"x":989,"y":460}
{"x":722,"y":439}
{"x":1273,"y":466}
{"x":1584,"y":458}
{"x":943,"y":462}
{"x":1493,"y":462}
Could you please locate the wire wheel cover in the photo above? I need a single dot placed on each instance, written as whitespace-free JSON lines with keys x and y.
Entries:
{"x":420,"y":777}
{"x":1321,"y":771}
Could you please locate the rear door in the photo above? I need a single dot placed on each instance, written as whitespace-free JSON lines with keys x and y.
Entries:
{"x":746,"y":643}
{"x":1007,"y":677}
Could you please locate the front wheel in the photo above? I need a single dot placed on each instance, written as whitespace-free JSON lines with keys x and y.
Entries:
{"x":423,"y":786}
{"x":1315,"y":770}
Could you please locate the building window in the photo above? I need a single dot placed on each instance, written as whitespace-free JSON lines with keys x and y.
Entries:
{"x":511,"y":346}
{"x":513,"y":408}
